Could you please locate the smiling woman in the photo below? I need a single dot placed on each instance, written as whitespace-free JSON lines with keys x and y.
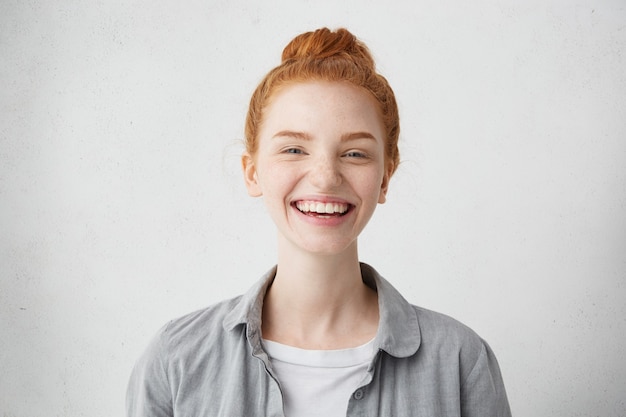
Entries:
{"x":321,"y":144}
{"x":321,"y":333}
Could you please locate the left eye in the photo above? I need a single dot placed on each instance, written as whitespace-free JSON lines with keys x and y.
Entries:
{"x":293,"y":150}
{"x":355,"y":154}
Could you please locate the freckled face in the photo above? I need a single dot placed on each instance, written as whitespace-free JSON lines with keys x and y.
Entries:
{"x":320,"y":164}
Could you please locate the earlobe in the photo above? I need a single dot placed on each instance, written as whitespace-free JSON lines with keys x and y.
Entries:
{"x":382,"y":197}
{"x":250,"y":175}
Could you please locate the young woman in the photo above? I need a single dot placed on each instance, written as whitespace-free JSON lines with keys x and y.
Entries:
{"x":320,"y":334}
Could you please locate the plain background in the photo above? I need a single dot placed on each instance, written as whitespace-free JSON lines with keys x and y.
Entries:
{"x":122,"y":203}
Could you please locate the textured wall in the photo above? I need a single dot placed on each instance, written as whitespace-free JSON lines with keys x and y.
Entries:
{"x":122,"y":205}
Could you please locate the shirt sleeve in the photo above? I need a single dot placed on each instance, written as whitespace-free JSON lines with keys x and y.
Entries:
{"x":483,"y":393}
{"x":148,"y":393}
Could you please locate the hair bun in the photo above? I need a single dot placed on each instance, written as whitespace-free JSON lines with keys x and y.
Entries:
{"x":324,"y":55}
{"x":324,"y":43}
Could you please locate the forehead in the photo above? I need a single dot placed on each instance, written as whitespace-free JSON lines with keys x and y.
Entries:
{"x":322,"y":107}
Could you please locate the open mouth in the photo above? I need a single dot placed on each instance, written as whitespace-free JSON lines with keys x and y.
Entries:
{"x":319,"y":209}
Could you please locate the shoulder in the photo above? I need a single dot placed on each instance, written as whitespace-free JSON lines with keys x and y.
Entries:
{"x":459,"y":347}
{"x":197,"y":326}
{"x":453,"y":342}
{"x":438,"y":328}
{"x":188,"y":344}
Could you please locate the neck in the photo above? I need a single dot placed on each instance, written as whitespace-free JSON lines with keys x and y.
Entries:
{"x":319,"y":301}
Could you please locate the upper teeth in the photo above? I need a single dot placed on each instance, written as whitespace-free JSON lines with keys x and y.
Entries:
{"x":324,"y":208}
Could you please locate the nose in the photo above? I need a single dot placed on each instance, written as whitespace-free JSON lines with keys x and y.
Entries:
{"x":325,"y":173}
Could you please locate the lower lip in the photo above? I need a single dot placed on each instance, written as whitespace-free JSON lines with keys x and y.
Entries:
{"x":321,"y":220}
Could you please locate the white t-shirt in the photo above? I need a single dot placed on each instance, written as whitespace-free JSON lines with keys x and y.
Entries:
{"x":318,"y":382}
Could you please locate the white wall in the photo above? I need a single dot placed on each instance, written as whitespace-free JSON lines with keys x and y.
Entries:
{"x":122,"y":204}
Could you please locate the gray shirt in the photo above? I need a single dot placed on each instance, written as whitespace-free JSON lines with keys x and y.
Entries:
{"x":211,"y":363}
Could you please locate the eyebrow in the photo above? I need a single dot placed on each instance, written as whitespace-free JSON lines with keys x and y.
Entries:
{"x":305,"y":136}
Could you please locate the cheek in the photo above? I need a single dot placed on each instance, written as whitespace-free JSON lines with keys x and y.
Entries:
{"x":370,"y":184}
{"x":275,"y":180}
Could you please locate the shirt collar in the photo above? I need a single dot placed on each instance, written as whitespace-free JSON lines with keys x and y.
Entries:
{"x":398,"y":330}
{"x":249,"y":308}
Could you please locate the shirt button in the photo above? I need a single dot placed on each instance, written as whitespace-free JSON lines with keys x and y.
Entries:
{"x":358,"y":394}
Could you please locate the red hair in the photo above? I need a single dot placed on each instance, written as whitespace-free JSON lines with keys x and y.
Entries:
{"x":328,"y":56}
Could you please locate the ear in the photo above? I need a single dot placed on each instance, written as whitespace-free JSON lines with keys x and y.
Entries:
{"x":250,"y":175}
{"x":382,"y":197}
